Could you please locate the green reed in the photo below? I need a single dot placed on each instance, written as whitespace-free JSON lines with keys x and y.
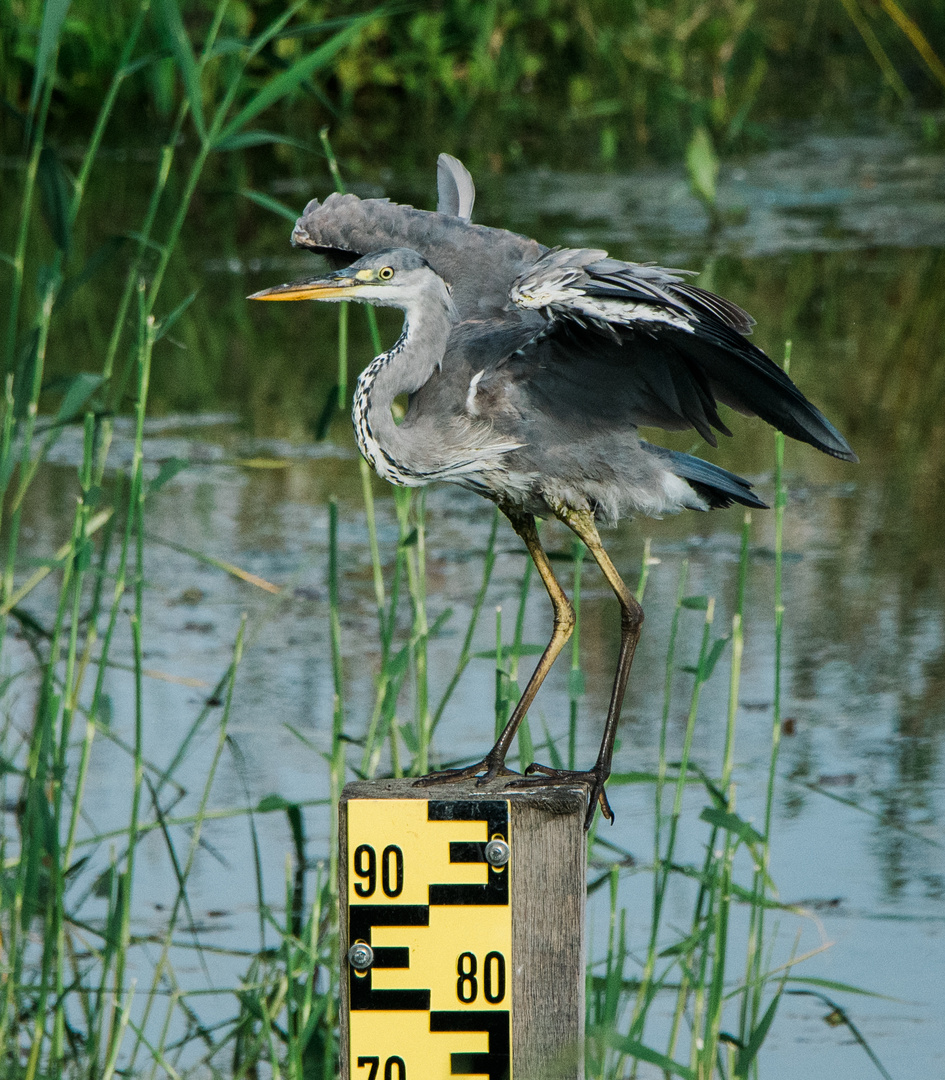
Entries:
{"x":69,"y":1002}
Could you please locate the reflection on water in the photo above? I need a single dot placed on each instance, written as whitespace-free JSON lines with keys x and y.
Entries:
{"x":839,"y":247}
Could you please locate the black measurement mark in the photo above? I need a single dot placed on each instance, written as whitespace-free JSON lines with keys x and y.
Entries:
{"x":496,"y":814}
{"x":494,"y":978}
{"x":467,"y":986}
{"x":495,"y":1063}
{"x":361,"y":919}
{"x":390,"y":1065}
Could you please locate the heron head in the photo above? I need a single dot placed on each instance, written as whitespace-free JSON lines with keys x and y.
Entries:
{"x":389,"y":278}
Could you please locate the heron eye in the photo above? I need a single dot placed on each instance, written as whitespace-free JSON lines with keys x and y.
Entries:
{"x":385,"y":273}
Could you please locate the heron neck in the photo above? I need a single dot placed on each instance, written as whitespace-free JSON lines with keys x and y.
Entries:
{"x":417,"y":353}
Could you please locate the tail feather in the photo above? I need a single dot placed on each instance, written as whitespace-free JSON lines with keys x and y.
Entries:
{"x":719,"y":487}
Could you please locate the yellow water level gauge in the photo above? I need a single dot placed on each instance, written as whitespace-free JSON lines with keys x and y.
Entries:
{"x":429,"y":939}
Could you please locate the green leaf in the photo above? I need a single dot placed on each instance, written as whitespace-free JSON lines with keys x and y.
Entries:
{"x":840,"y":987}
{"x":80,"y":388}
{"x":557,"y":762}
{"x":99,"y":259}
{"x":54,"y":15}
{"x":635,"y":777}
{"x":167,"y":472}
{"x":272,"y":802}
{"x":290,"y":79}
{"x":8,"y":767}
{"x":168,"y":321}
{"x":695,"y":603}
{"x":243,"y":139}
{"x":747,"y":1055}
{"x":267,"y":202}
{"x":725,"y":819}
{"x":576,"y":683}
{"x":227,"y":46}
{"x":636,"y":1049}
{"x":55,"y":195}
{"x":708,"y":663}
{"x":509,"y":650}
{"x":136,"y":65}
{"x":175,"y":35}
{"x":326,"y":415}
{"x":687,"y":944}
{"x":702,"y":164}
{"x":24,"y":373}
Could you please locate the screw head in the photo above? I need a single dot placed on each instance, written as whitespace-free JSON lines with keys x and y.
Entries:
{"x":360,"y":956}
{"x":497,"y":853}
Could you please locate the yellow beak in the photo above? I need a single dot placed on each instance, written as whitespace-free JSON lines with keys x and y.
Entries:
{"x":311,"y":289}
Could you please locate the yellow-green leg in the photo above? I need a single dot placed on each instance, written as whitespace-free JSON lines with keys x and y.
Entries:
{"x":631,"y":623}
{"x":493,"y":764}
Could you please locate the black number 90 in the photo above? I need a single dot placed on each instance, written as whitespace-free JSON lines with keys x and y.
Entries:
{"x":392,"y":870}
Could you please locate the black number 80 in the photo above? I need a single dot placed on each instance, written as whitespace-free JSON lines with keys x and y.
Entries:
{"x":493,"y":978}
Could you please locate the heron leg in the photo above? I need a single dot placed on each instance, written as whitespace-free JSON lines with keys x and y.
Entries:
{"x":582,"y":523}
{"x":493,"y":764}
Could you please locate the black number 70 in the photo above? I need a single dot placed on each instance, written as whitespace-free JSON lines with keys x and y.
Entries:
{"x":389,"y":1065}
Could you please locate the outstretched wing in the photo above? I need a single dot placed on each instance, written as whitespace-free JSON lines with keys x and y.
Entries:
{"x":661,"y":350}
{"x":664,"y":352}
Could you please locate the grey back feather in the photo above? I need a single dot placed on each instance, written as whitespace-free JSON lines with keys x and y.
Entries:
{"x":456,"y":192}
{"x":477,"y":262}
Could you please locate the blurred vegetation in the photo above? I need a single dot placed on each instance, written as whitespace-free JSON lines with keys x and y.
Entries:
{"x":504,"y":80}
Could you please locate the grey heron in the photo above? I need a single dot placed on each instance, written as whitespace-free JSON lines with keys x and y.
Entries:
{"x":528,"y":372}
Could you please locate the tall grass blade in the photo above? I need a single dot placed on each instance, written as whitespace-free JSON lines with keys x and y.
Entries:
{"x":274,"y":206}
{"x":54,"y":15}
{"x":289,"y":80}
{"x":918,"y":40}
{"x":838,"y":1015}
{"x":55,"y":198}
{"x":175,"y":37}
{"x":636,"y":1049}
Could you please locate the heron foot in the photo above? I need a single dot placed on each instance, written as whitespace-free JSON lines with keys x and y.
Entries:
{"x":594,"y":778}
{"x":489,"y":767}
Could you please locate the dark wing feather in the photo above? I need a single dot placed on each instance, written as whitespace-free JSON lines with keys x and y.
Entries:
{"x":718,"y":486}
{"x":636,"y":342}
{"x":668,"y":352}
{"x":641,"y":280}
{"x":585,"y":378}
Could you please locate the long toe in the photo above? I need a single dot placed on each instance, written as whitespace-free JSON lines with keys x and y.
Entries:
{"x":488,"y":769}
{"x":593,"y":779}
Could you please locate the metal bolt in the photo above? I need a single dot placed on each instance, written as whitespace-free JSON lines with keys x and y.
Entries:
{"x":497,"y":853}
{"x":360,"y":956}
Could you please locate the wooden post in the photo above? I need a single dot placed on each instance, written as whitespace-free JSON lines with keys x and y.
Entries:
{"x":459,"y":939}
